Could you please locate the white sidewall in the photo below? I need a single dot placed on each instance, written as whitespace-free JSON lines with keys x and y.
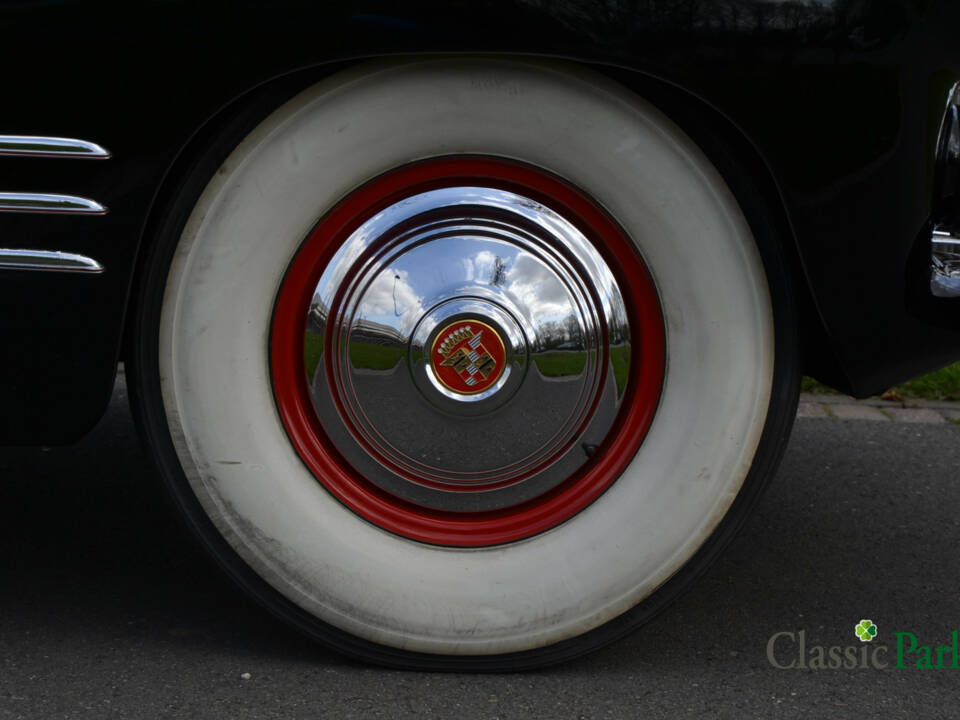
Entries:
{"x":215,"y":374}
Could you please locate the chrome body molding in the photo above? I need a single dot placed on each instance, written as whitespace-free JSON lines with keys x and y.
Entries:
{"x":945,"y":238}
{"x":50,"y":260}
{"x":945,"y":264}
{"x":56,"y":147}
{"x":49,"y":203}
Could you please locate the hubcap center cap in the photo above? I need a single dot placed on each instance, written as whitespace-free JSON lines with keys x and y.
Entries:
{"x":467,"y":357}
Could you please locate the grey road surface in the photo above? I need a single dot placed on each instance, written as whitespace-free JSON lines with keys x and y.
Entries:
{"x":108,"y":610}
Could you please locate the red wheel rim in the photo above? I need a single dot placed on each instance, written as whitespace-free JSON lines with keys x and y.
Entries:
{"x":400,"y":515}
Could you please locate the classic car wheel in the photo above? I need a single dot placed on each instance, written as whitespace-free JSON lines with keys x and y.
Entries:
{"x":463,"y":363}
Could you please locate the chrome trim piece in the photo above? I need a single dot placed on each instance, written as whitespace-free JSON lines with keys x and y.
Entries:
{"x":52,"y":260}
{"x":945,"y":238}
{"x":944,"y":264}
{"x":49,"y":203}
{"x":38,"y":146}
{"x":470,"y":254}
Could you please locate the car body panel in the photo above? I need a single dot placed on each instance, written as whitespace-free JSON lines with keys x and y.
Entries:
{"x":842,"y":101}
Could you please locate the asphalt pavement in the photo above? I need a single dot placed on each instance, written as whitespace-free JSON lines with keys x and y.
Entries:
{"x":107,"y":609}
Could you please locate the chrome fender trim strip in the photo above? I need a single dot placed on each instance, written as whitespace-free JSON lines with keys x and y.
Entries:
{"x":52,"y":260}
{"x":49,"y":203}
{"x":39,"y":146}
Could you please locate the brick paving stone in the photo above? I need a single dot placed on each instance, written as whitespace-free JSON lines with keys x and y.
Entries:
{"x":857,"y":412}
{"x":916,"y":415}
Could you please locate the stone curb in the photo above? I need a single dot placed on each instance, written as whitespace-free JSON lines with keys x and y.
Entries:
{"x":839,"y":399}
{"x":910,"y":410}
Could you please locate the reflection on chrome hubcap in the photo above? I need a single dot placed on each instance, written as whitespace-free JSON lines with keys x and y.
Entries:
{"x":479,"y":342}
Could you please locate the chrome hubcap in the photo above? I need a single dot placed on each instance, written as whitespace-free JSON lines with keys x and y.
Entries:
{"x":478,"y":348}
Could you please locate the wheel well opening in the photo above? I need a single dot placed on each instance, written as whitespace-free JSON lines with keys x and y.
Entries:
{"x":755,"y":187}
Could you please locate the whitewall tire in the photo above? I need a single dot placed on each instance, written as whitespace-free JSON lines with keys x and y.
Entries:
{"x":209,"y":403}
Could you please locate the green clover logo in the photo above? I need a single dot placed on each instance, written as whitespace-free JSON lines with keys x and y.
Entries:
{"x":866,"y":630}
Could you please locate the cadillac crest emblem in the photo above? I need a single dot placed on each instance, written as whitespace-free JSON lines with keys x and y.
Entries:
{"x":468,"y":356}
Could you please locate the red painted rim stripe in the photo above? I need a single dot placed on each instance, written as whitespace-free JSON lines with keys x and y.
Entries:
{"x":446,"y":527}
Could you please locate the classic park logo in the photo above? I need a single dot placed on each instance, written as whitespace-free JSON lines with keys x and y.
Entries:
{"x":788,"y":650}
{"x":866,"y":630}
